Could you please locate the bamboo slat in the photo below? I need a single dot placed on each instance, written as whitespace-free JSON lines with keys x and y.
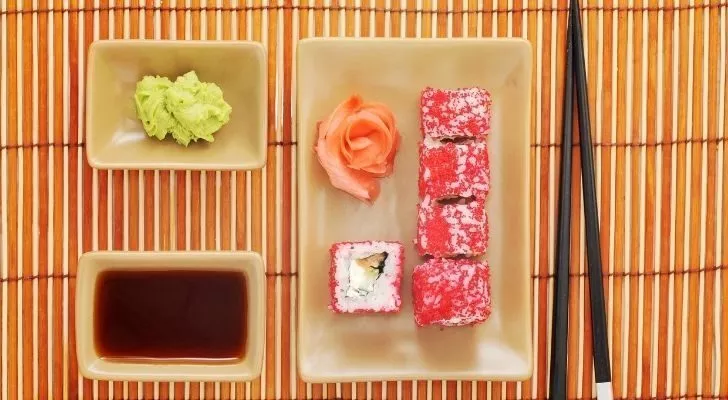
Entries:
{"x":658,"y":79}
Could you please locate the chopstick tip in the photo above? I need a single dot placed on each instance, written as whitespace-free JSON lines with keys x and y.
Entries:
{"x":604,"y":391}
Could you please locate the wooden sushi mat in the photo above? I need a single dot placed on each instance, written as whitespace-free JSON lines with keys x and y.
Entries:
{"x":658,"y":77}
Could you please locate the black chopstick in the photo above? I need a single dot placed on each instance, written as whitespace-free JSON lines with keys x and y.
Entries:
{"x":560,"y":319}
{"x":600,"y":341}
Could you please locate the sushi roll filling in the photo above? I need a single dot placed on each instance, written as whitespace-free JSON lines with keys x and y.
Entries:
{"x":363,"y":274}
{"x":455,"y":139}
{"x":456,"y":200}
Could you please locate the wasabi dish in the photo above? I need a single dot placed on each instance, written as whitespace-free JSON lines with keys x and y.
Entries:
{"x":187,"y":108}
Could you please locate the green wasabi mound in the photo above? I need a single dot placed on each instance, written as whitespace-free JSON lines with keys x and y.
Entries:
{"x":188,"y":109}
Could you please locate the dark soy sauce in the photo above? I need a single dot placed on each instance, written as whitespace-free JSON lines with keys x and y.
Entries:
{"x":178,"y":314}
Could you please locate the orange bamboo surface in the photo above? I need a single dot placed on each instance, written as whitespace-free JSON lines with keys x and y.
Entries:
{"x":658,"y":79}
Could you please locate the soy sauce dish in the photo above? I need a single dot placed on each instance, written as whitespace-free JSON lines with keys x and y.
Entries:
{"x":170,"y":316}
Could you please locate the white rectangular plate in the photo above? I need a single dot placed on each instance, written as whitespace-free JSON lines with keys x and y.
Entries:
{"x":390,"y":347}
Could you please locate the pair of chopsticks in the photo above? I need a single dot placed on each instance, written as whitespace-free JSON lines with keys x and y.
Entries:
{"x":575,"y":84}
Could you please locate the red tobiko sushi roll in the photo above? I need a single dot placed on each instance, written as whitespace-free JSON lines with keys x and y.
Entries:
{"x":454,"y":169}
{"x":366,"y":277}
{"x":455,"y":113}
{"x":452,"y":229}
{"x":451,"y":292}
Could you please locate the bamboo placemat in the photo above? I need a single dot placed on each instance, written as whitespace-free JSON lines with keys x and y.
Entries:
{"x":657,"y":74}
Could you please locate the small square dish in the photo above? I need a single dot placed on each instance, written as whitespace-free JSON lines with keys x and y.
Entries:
{"x":336,"y":347}
{"x":170,"y":316}
{"x":115,"y":137}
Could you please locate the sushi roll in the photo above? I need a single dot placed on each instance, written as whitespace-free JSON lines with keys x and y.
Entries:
{"x":455,"y":113}
{"x":451,"y":292}
{"x":452,"y":229}
{"x":453,"y":169}
{"x":365,"y":276}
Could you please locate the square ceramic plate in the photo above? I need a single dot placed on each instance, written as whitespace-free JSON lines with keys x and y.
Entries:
{"x":93,"y":366}
{"x":390,"y":347}
{"x":115,"y":136}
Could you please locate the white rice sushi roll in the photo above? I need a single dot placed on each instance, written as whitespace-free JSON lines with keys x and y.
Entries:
{"x":366,"y":277}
